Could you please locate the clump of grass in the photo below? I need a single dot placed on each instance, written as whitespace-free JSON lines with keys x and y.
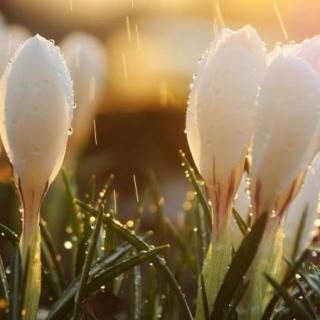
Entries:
{"x":148,"y":274}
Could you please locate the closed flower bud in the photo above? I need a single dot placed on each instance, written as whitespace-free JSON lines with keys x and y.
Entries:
{"x":288,"y":116}
{"x":221,"y":112}
{"x":35,"y":115}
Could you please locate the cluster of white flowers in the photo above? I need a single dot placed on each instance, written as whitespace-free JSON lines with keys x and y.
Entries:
{"x":245,"y":102}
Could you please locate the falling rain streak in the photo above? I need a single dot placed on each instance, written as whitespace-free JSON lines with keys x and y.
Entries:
{"x":282,"y":26}
{"x":71,"y":5}
{"x":95,"y":132}
{"x":124,"y":64}
{"x":128,"y":28}
{"x":136,"y":187}
{"x":138,"y":37}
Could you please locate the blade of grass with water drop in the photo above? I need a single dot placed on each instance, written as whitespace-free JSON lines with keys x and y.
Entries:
{"x":9,"y":234}
{"x":16,"y":285}
{"x":136,"y":295}
{"x":86,"y":266}
{"x":240,"y":222}
{"x":64,"y":305}
{"x":298,"y":238}
{"x":298,"y":310}
{"x":139,"y":244}
{"x":285,"y":283}
{"x":306,"y":299}
{"x":4,"y":288}
{"x":151,"y":305}
{"x":239,"y":266}
{"x":53,"y":254}
{"x":195,"y":183}
{"x":48,"y":270}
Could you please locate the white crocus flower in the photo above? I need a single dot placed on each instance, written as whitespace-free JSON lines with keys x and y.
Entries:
{"x":220,"y":121}
{"x":35,"y":116}
{"x":221,"y":113}
{"x":86,"y":59}
{"x":287,"y":122}
{"x":288,"y":116}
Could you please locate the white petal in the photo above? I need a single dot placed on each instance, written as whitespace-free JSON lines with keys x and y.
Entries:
{"x":36,"y":112}
{"x":287,"y":120}
{"x":221,"y":108}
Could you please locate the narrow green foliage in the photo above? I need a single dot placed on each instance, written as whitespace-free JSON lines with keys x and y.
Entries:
{"x":240,"y":222}
{"x":285,"y":283}
{"x":297,"y":242}
{"x":4,"y":287}
{"x":196,"y":186}
{"x":306,"y":299}
{"x":15,"y":285}
{"x":139,"y":244}
{"x":151,"y":305}
{"x":9,"y":234}
{"x":87,"y":263}
{"x":239,"y":266}
{"x":56,"y":268}
{"x":298,"y":310}
{"x":65,"y":303}
{"x":136,"y":295}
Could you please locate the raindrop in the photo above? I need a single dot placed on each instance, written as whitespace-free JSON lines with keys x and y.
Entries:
{"x":70,"y":131}
{"x":68,"y":245}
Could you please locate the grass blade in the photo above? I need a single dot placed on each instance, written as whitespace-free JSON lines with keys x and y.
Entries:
{"x":139,"y":244}
{"x":151,"y":307}
{"x":4,"y":288}
{"x":298,"y":310}
{"x":15,"y":285}
{"x":9,"y":234}
{"x":240,"y":222}
{"x":136,"y":293}
{"x":239,"y":266}
{"x":195,"y":183}
{"x":48,"y":241}
{"x":86,"y":267}
{"x":64,"y":305}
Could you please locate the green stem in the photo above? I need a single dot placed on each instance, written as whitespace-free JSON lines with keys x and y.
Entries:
{"x":268,"y":260}
{"x":30,"y":252}
{"x":215,"y":267}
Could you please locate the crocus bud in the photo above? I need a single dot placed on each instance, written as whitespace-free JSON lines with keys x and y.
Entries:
{"x":35,"y":115}
{"x":221,"y":113}
{"x":288,"y":117}
{"x":220,"y":120}
{"x":86,"y":59}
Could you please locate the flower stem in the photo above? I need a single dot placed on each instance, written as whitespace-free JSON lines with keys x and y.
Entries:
{"x":268,"y":260}
{"x":215,"y":268}
{"x":30,"y":253}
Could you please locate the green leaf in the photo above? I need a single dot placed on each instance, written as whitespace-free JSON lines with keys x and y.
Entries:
{"x":139,"y":244}
{"x":53,"y":258}
{"x":297,"y":242}
{"x":297,"y":309}
{"x":63,"y":306}
{"x":16,"y":285}
{"x":151,"y":306}
{"x":306,"y":299}
{"x":196,"y":186}
{"x":4,"y":288}
{"x":136,"y":295}
{"x":239,"y":266}
{"x":285,"y":283}
{"x":9,"y":234}
{"x":240,"y":222}
{"x":87,"y":263}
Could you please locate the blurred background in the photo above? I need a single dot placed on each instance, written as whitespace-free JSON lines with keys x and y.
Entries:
{"x":152,"y":48}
